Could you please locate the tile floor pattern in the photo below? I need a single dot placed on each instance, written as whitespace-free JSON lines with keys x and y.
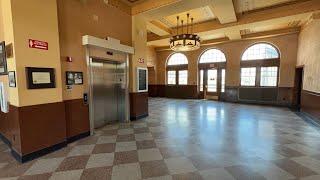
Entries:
{"x":186,"y":139}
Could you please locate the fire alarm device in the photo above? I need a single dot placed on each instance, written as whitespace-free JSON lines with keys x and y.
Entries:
{"x":69,"y":59}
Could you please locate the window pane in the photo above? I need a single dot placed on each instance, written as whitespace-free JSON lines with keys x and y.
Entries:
{"x":260,"y":51}
{"x":269,"y":76}
{"x":223,"y":80}
{"x":183,"y":77}
{"x":201,"y":80}
{"x":212,"y":80}
{"x":177,"y":59}
{"x":212,"y":55}
{"x":248,"y":76}
{"x":171,"y":77}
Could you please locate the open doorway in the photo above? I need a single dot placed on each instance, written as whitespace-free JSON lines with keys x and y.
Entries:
{"x":298,"y":84}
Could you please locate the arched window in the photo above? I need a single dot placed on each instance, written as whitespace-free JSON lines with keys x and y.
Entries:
{"x":177,"y":59}
{"x":260,"y":51}
{"x":212,"y":56}
{"x":260,"y":66}
{"x":177,"y":69}
{"x":212,"y":64}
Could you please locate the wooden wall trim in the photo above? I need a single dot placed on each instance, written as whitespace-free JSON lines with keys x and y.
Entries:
{"x":139,"y":105}
{"x":310,"y":104}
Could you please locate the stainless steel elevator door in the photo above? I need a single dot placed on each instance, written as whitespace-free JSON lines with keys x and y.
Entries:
{"x":108,"y":90}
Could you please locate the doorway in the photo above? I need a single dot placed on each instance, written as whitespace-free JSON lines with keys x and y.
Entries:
{"x":212,"y":82}
{"x":298,"y":84}
{"x":108,"y":88}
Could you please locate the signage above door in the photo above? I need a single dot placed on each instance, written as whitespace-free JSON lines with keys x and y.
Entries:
{"x":36,"y":44}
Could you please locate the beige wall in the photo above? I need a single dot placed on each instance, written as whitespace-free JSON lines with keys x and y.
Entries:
{"x":287,"y":45}
{"x":151,"y":63}
{"x":8,"y":37}
{"x":93,"y":18}
{"x":139,"y":42}
{"x":309,"y":55}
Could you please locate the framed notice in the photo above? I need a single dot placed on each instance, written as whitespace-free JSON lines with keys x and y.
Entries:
{"x":74,"y":78}
{"x":3,"y":59}
{"x":142,"y":79}
{"x":12,"y":79}
{"x":40,"y":78}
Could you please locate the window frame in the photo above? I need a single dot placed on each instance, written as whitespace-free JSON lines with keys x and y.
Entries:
{"x":258,"y":64}
{"x":176,"y":68}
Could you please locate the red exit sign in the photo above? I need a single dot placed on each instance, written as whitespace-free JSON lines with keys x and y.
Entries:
{"x":36,"y":44}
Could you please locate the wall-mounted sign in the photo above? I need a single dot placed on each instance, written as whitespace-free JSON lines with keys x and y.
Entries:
{"x":3,"y":59}
{"x":141,"y":60}
{"x":40,"y":78}
{"x":9,"y":50}
{"x":12,"y":79}
{"x":38,"y":44}
{"x":74,"y":78}
{"x":142,"y":79}
{"x":3,"y":99}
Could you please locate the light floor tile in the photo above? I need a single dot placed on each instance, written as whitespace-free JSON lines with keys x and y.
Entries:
{"x":81,"y":150}
{"x":218,"y":173}
{"x":107,"y":139}
{"x":315,"y":177}
{"x":67,"y":175}
{"x":143,"y":136}
{"x":100,"y":160}
{"x":149,"y":155}
{"x":126,"y":146}
{"x":179,"y":165}
{"x":126,"y":172}
{"x":125,"y":131}
{"x":308,"y":162}
{"x":44,"y":166}
{"x":160,"y":178}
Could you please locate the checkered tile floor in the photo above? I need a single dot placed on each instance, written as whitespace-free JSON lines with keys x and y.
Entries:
{"x":186,"y":139}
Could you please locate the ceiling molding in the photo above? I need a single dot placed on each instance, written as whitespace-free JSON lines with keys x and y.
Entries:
{"x":158,"y":29}
{"x":279,"y":14}
{"x":149,"y":5}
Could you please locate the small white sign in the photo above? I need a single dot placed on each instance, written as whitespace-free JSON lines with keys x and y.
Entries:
{"x":3,"y":99}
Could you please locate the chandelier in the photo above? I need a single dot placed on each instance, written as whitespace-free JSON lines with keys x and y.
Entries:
{"x":185,"y":41}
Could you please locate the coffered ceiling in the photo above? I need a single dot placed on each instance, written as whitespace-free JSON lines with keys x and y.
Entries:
{"x":225,"y":20}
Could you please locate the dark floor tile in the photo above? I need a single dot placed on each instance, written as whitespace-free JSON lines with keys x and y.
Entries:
{"x":125,"y":138}
{"x":243,"y":173}
{"x":153,"y":169}
{"x":147,"y":144}
{"x":294,"y":168}
{"x":101,"y":173}
{"x":187,"y":176}
{"x":36,"y":177}
{"x":125,"y":157}
{"x":73,"y":163}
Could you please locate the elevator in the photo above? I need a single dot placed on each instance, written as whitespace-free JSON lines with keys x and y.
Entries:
{"x":108,"y":81}
{"x":108,"y":91}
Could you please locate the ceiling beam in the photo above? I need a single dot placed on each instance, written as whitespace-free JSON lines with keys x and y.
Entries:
{"x":149,"y":5}
{"x":233,"y":35}
{"x":271,"y":33}
{"x":224,"y":10}
{"x":275,"y":15}
{"x":158,"y":29}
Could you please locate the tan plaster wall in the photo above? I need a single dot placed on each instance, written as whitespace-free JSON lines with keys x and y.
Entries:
{"x":309,"y":55}
{"x":139,"y":42}
{"x":287,"y":45}
{"x":151,"y":63}
{"x":34,"y":19}
{"x":93,"y":18}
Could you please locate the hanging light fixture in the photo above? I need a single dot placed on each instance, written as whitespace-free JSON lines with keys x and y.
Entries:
{"x":185,"y":41}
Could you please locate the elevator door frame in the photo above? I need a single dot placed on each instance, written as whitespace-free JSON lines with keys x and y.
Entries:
{"x":90,"y":93}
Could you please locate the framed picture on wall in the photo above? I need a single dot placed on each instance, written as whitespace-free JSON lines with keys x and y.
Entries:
{"x":40,"y":78}
{"x":74,"y":78}
{"x":142,"y":79}
{"x":12,"y":79}
{"x":3,"y":59}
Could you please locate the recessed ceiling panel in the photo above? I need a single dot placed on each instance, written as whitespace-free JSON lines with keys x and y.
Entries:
{"x":249,"y":5}
{"x":199,"y":15}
